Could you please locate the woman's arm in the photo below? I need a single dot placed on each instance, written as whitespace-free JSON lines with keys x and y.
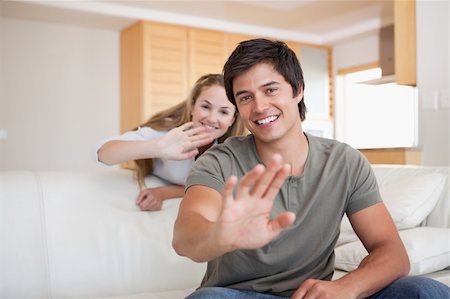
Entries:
{"x":119,"y":151}
{"x":151,"y":199}
{"x":180,"y":143}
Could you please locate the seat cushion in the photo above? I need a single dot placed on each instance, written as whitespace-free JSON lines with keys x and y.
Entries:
{"x":428,"y":249}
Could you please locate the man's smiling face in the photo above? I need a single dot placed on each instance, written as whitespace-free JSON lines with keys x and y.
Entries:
{"x":266,"y":103}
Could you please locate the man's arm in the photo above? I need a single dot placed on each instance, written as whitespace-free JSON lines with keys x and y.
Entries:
{"x":198,"y":212}
{"x":210,"y":224}
{"x":387,"y":259}
{"x":386,"y":262}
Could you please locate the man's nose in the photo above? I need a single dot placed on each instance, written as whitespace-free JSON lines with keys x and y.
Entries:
{"x":260,"y":104}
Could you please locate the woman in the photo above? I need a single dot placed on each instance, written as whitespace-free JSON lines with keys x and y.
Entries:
{"x":167,"y":144}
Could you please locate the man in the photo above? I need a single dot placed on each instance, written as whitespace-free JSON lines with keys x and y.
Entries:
{"x":274,"y":235}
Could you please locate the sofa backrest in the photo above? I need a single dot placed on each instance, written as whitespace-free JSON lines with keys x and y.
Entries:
{"x":80,"y":235}
{"x":428,"y":187}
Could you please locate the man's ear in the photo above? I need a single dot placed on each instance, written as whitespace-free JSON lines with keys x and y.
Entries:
{"x":299,"y":95}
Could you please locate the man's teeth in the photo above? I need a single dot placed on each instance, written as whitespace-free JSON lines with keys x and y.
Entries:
{"x":266,"y":120}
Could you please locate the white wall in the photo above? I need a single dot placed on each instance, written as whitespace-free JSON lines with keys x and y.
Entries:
{"x":356,"y":52}
{"x":59,"y":88}
{"x":60,"y":93}
{"x":1,"y":86}
{"x":433,"y":67}
{"x":432,"y":75}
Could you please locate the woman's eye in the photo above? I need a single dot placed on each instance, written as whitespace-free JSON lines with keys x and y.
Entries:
{"x":205,"y":106}
{"x":224,"y":112}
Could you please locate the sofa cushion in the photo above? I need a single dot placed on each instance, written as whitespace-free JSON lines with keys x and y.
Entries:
{"x":411,"y":197}
{"x":409,"y":193}
{"x":428,"y":250}
{"x":24,"y":269}
{"x":99,"y":239}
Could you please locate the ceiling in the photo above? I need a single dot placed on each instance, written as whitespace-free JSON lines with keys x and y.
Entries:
{"x":315,"y":21}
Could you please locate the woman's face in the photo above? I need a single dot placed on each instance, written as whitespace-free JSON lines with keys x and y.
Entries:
{"x":213,"y":111}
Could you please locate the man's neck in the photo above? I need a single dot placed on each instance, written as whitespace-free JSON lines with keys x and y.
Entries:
{"x":293,"y":149}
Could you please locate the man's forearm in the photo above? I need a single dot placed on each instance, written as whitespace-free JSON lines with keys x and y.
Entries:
{"x":194,"y":238}
{"x":377,"y":270}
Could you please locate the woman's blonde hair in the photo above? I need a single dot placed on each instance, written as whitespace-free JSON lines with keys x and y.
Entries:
{"x":180,"y":114}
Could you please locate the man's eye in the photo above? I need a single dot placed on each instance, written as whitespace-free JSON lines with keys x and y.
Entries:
{"x":245,"y":98}
{"x":271,"y":90}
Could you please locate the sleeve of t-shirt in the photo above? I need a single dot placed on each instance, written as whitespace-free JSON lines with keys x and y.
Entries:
{"x":209,"y":170}
{"x":364,"y":187}
{"x":141,"y":134}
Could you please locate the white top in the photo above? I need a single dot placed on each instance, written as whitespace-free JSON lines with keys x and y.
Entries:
{"x":174,"y":171}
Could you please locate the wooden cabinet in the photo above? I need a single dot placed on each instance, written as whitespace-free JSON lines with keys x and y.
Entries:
{"x":410,"y":156}
{"x":233,"y":41}
{"x":405,"y":41}
{"x":161,"y":62}
{"x":154,"y":73}
{"x":207,"y":53}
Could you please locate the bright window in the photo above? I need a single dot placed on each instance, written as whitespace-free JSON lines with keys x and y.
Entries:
{"x":375,"y":116}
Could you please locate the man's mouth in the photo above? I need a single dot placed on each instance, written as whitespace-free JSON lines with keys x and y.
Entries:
{"x":267,"y":120}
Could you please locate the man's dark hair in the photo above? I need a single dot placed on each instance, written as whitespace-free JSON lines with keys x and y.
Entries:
{"x":277,"y":53}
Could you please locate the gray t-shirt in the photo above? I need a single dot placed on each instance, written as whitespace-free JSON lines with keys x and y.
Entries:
{"x":337,"y":179}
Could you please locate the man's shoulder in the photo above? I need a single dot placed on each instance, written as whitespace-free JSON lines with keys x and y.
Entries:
{"x":235,"y":143}
{"x":326,"y":143}
{"x":333,"y":148}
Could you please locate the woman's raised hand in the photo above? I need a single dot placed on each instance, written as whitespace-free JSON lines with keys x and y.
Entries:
{"x":182,"y":143}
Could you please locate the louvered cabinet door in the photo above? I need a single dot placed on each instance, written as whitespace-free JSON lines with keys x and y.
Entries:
{"x":207,"y":53}
{"x":154,"y":70}
{"x":165,"y":67}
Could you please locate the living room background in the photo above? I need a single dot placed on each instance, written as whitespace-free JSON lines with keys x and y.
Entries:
{"x":60,"y":88}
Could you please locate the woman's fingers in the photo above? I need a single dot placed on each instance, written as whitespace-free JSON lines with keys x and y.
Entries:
{"x":197,"y":135}
{"x":142,"y":195}
{"x":186,"y":126}
{"x":195,"y":131}
{"x":150,"y":203}
{"x":190,"y":130}
{"x":188,"y":154}
{"x":201,"y":139}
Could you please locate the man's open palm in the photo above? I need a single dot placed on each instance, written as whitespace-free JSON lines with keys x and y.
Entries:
{"x":245,"y":221}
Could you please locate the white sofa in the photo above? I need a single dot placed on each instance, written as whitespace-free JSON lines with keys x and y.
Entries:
{"x":80,"y":235}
